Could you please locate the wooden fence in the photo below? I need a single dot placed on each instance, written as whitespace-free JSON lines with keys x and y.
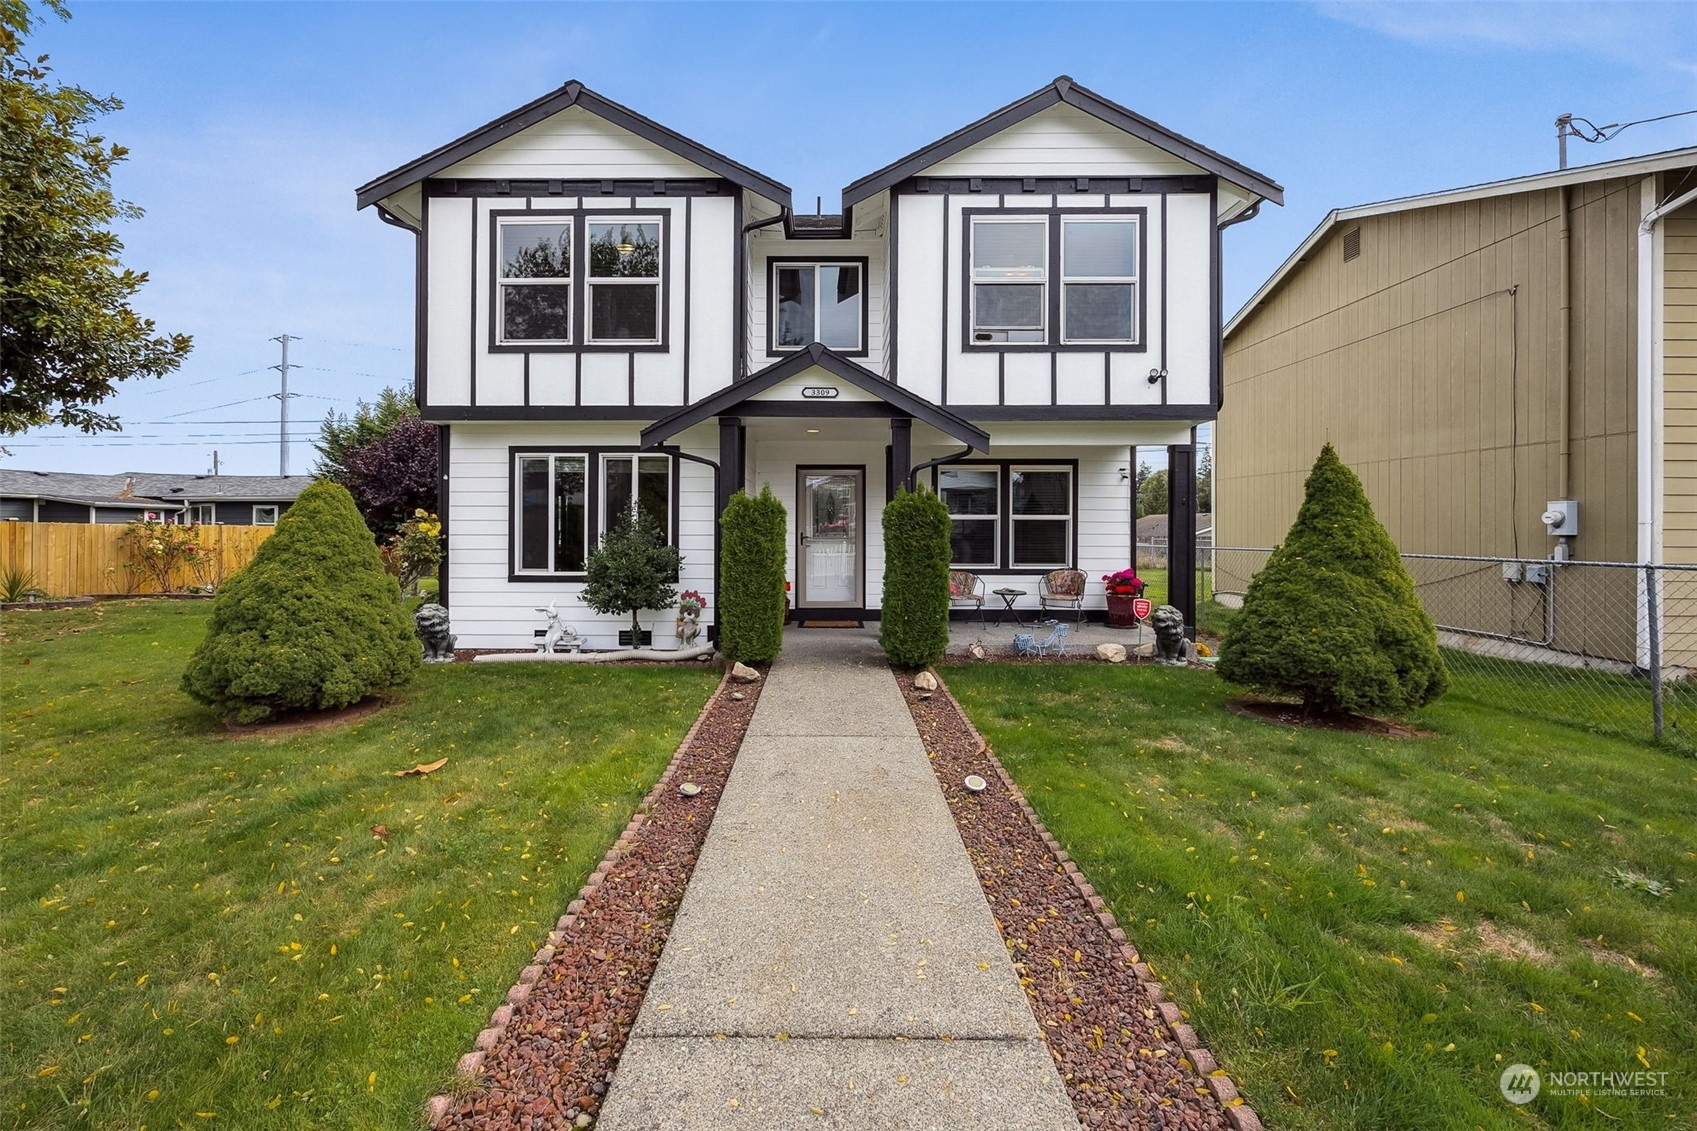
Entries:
{"x":72,"y":559}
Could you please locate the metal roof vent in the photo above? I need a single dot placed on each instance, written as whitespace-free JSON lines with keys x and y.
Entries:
{"x":1351,"y":244}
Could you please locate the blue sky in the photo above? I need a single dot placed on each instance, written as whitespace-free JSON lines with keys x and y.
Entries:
{"x":250,"y":125}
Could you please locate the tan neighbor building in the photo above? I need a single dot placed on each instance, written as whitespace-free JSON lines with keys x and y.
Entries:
{"x":1474,"y":354}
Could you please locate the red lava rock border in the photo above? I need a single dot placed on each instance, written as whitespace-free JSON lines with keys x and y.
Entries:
{"x":549,"y":1051}
{"x":1127,"y":1055}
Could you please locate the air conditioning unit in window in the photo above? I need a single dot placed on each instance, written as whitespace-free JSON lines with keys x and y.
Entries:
{"x":1015,"y":336}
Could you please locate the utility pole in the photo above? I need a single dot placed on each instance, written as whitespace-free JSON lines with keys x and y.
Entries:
{"x":283,"y":405}
{"x":215,"y":463}
{"x":1564,"y":126}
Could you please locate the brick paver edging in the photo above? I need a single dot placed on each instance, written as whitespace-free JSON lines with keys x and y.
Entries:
{"x":472,"y":1062}
{"x":1238,"y":1112}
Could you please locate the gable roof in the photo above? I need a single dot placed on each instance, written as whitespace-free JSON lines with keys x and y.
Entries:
{"x":573,"y":93}
{"x":1535,"y":182}
{"x":1063,"y":89}
{"x":903,"y":400}
{"x":147,"y":489}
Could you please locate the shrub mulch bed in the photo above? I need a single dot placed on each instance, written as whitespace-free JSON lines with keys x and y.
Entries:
{"x":1126,"y":1054}
{"x":548,"y":1054}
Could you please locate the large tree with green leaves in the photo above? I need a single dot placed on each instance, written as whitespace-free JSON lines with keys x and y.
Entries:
{"x":386,"y":455}
{"x":68,"y":334}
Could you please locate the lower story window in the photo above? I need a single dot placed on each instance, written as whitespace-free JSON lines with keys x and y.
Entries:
{"x":563,"y":502}
{"x":265,"y":515}
{"x":1008,"y":516}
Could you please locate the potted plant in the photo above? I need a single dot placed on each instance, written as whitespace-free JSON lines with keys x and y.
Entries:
{"x":1123,"y":588}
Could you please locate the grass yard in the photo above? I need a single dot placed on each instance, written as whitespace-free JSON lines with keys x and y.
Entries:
{"x":1368,"y":931}
{"x":198,"y":929}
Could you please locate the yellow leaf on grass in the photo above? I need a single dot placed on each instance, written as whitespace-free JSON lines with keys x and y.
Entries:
{"x":1461,"y":897}
{"x":50,"y":1070}
{"x":423,"y":768}
{"x":1536,"y":1008}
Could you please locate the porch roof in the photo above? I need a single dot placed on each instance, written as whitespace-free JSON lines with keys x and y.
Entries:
{"x":903,"y":401}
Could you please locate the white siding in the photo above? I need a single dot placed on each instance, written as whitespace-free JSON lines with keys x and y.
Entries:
{"x":491,"y":611}
{"x":574,"y":143}
{"x":919,"y":273}
{"x":1189,"y":307}
{"x":448,"y":371}
{"x":1061,"y":141}
{"x":713,"y":237}
{"x":768,"y":243}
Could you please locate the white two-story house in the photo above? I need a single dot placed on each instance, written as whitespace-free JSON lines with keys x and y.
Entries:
{"x":612,"y":317}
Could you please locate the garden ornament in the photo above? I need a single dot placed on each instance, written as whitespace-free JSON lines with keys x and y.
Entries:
{"x":431,"y":625}
{"x":1169,"y":635}
{"x":558,"y":636}
{"x":689,"y":627}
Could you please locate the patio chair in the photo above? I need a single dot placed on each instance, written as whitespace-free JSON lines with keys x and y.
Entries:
{"x":966,"y":591}
{"x":1062,"y":588}
{"x":1027,"y":644}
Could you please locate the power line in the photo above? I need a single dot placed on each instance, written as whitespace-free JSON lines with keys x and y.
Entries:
{"x":357,"y":345}
{"x":207,"y":381}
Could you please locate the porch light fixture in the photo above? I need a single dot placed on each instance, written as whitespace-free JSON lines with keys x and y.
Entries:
{"x":1156,"y":376}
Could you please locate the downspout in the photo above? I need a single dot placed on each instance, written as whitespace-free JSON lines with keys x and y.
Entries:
{"x":740,"y":369}
{"x":1650,"y":372}
{"x":913,"y":474}
{"x":1564,"y":351}
{"x":678,"y":453}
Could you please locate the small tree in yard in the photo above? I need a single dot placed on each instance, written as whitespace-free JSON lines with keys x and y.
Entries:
{"x":751,"y":577}
{"x":314,"y":622}
{"x":914,"y":624}
{"x":1333,"y":616}
{"x":631,"y":570}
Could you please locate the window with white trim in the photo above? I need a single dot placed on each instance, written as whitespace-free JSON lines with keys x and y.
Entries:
{"x":1054,"y":279}
{"x":1010,"y":271}
{"x":624,"y":280}
{"x":265,"y":515}
{"x":1009,"y":516}
{"x":534,"y":281}
{"x":818,"y":302}
{"x":564,"y":501}
{"x":203,"y":514}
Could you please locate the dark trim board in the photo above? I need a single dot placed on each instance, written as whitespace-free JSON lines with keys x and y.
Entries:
{"x":580,"y":219}
{"x":444,"y":467}
{"x":537,"y":186}
{"x":773,"y":262}
{"x":1063,"y":89}
{"x":1053,"y":282}
{"x":643,"y":414}
{"x":799,"y":616}
{"x":573,"y":93}
{"x":1049,"y":186}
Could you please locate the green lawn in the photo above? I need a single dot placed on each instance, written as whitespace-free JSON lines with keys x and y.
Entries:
{"x":200,"y":930}
{"x":1369,"y":930}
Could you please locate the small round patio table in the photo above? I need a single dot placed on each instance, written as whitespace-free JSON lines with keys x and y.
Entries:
{"x":1009,"y":596}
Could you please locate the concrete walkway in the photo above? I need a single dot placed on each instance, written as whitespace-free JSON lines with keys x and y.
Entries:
{"x":834,"y":963}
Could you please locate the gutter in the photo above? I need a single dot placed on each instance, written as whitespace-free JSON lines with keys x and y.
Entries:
{"x":1650,"y":370}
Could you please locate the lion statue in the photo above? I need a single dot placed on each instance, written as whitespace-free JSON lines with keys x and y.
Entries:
{"x":431,"y":624}
{"x":1169,"y":635}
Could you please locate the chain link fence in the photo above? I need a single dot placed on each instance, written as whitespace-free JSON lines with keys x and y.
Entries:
{"x":1606,"y":646}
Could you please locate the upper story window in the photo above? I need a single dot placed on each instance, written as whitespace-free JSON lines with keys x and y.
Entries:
{"x":1053,"y":279}
{"x":534,"y":303}
{"x":576,"y":280}
{"x":624,"y":281}
{"x":818,"y":302}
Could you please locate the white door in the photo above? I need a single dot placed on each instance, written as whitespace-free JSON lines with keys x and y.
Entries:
{"x":830,"y":542}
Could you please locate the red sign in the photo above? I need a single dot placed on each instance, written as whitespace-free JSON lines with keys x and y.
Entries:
{"x":1141,"y":607}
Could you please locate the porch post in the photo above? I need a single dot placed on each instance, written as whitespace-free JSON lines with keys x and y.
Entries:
{"x":901,"y":454}
{"x":1181,"y":533}
{"x":1131,"y":478}
{"x":732,"y":474}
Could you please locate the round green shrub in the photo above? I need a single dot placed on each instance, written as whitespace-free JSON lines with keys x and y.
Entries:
{"x":1333,"y":616}
{"x":913,"y":624}
{"x":314,"y":622}
{"x":751,"y":577}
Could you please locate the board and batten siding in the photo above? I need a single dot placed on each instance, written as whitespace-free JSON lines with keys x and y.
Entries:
{"x":1176,"y":330}
{"x":1405,"y":358}
{"x":1679,"y":384}
{"x":492,"y":611}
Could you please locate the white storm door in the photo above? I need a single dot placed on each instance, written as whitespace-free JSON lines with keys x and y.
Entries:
{"x":830,"y":550}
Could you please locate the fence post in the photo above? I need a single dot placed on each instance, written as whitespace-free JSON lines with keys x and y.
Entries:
{"x":1652,"y":617}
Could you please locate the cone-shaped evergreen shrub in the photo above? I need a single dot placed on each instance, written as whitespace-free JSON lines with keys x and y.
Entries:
{"x":312,"y":623}
{"x":914,"y":623}
{"x":751,"y":577}
{"x":1333,"y":616}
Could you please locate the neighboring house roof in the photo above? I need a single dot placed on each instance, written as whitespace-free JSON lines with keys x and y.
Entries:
{"x":903,"y":400}
{"x":573,"y":93}
{"x":1536,"y":182}
{"x":1152,"y":526}
{"x":1063,"y":89}
{"x":143,"y":489}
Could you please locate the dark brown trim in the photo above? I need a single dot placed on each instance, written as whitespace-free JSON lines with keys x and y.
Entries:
{"x":943,"y":315}
{"x":739,"y":290}
{"x":444,"y":467}
{"x":892,"y":338}
{"x":421,"y":317}
{"x":1052,"y":186}
{"x":1166,"y":207}
{"x":1004,"y":516}
{"x":1086,"y":412}
{"x":740,"y":394}
{"x":593,"y":473}
{"x":821,"y":410}
{"x":861,"y":261}
{"x":1216,"y":378}
{"x":1181,"y":532}
{"x":801,"y":471}
{"x":900,"y":456}
{"x":590,"y":187}
{"x":580,"y":219}
{"x":1053,"y":281}
{"x":689,"y":234}
{"x":573,"y":93}
{"x":1062,"y":89}
{"x":472,"y":308}
{"x":962,"y":413}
